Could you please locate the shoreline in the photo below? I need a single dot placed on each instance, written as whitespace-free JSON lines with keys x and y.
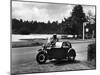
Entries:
{"x":39,"y":42}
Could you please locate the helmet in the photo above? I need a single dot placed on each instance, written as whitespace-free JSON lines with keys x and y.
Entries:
{"x":54,"y":36}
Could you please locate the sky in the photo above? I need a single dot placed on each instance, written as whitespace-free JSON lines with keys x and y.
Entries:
{"x":44,"y":12}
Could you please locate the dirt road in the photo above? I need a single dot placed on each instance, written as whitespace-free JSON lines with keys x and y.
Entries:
{"x":24,"y":60}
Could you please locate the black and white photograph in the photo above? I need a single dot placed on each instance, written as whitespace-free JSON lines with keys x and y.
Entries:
{"x":52,"y":37}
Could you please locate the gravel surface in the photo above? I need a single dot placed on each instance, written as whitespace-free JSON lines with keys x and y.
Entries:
{"x":24,"y":60}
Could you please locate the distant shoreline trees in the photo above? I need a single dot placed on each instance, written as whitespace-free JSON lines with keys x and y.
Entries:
{"x":34,"y":27}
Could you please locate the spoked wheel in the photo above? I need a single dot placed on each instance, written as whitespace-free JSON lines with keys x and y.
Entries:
{"x":41,"y":57}
{"x":71,"y":55}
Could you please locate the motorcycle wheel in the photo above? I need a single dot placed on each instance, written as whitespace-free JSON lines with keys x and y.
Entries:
{"x":41,"y":57}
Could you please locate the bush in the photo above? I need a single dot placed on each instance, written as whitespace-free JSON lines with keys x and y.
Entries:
{"x":92,"y":52}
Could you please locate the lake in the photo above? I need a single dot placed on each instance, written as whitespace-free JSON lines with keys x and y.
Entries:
{"x":17,"y":37}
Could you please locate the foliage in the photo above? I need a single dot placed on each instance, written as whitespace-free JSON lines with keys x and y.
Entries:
{"x":92,"y":53}
{"x":29,"y":27}
{"x":75,"y":21}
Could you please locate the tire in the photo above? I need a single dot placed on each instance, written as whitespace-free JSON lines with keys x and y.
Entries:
{"x":41,"y":57}
{"x":71,"y":55}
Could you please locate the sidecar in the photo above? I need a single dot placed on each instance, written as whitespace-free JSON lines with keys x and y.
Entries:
{"x":61,"y":50}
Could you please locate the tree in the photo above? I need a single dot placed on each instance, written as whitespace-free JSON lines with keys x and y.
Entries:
{"x":77,"y":19}
{"x":91,"y":25}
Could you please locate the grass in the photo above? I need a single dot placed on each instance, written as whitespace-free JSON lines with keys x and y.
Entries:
{"x":28,"y":43}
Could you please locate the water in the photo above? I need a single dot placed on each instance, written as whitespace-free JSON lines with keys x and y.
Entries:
{"x":17,"y":38}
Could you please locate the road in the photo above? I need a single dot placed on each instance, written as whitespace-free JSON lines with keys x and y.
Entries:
{"x":24,"y":60}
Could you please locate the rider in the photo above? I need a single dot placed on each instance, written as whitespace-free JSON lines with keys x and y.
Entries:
{"x":53,"y":40}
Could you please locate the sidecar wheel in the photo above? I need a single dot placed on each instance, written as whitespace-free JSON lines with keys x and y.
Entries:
{"x":41,"y":57}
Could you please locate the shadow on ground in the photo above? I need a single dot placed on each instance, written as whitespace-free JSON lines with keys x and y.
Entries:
{"x":62,"y":62}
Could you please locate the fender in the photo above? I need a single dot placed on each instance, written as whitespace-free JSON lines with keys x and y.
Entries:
{"x":71,"y":49}
{"x":41,"y":50}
